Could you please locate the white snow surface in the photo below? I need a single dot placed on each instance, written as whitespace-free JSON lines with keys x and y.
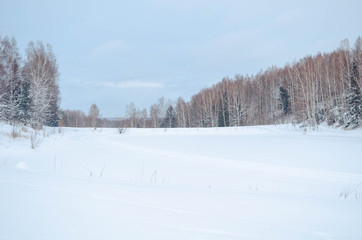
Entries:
{"x":263,"y":182}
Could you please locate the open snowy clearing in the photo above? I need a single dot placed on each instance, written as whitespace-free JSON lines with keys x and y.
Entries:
{"x":267,"y":182}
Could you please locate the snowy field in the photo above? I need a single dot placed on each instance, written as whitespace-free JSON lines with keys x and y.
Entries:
{"x":267,"y":182}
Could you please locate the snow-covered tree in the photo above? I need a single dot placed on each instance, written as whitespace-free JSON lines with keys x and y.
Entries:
{"x":25,"y":102}
{"x":12,"y":94}
{"x":354,"y":100}
{"x":10,"y":80}
{"x":42,"y":71}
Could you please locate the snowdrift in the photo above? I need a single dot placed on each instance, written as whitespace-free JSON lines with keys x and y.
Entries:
{"x":265,"y":182}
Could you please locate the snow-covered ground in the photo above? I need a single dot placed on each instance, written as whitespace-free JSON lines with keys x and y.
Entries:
{"x":267,"y":182}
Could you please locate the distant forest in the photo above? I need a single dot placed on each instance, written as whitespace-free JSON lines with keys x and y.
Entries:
{"x":325,"y":88}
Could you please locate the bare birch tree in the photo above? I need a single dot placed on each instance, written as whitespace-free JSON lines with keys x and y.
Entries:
{"x":94,"y":116}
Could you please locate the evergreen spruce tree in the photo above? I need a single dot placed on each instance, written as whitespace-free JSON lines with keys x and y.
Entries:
{"x":25,"y":102}
{"x":220,"y":115}
{"x":354,"y":100}
{"x":11,"y":96}
{"x":170,"y":118}
{"x":284,"y":98}
{"x":54,"y":114}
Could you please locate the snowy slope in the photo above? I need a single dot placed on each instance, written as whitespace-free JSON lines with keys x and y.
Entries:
{"x":267,"y":182}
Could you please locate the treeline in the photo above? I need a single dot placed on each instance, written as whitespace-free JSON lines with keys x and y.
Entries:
{"x":29,"y":92}
{"x":325,"y":88}
{"x":78,"y":119}
{"x":316,"y":89}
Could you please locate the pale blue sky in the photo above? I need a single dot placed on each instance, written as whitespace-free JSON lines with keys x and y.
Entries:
{"x":115,"y":52}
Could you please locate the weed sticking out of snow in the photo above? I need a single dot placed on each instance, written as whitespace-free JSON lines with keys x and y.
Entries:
{"x":21,"y":133}
{"x":34,"y":138}
{"x":353,"y":190}
{"x":122,"y":130}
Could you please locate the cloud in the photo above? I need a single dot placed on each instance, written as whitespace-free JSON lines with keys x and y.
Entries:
{"x":109,"y":48}
{"x":134,"y":84}
{"x":128,"y":84}
{"x":137,"y":83}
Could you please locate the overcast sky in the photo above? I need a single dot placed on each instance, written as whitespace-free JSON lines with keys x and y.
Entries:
{"x":115,"y":52}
